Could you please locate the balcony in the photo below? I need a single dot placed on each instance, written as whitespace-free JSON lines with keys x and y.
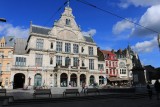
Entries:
{"x":113,"y":75}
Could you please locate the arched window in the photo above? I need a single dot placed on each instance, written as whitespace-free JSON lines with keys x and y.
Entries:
{"x":51,"y":61}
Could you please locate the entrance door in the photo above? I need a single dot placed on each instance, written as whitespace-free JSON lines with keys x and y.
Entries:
{"x":38,"y":80}
{"x":91,"y":79}
{"x":101,"y":80}
{"x":64,"y":80}
{"x":74,"y":80}
{"x":82,"y":79}
{"x":19,"y":80}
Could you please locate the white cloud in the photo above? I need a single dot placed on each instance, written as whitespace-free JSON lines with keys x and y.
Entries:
{"x":150,"y":19}
{"x":7,"y":29}
{"x":122,"y":26}
{"x":142,"y":3}
{"x":146,"y":46}
{"x":91,"y":32}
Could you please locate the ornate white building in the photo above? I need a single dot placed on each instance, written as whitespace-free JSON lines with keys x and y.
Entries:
{"x":57,"y":56}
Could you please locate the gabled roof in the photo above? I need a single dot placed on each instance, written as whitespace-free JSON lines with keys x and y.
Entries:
{"x":105,"y":52}
{"x":20,"y":45}
{"x":88,"y":39}
{"x":40,"y":29}
{"x":9,"y":41}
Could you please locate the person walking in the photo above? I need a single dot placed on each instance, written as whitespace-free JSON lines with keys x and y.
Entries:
{"x":149,"y":91}
{"x":83,"y":87}
{"x":157,"y":88}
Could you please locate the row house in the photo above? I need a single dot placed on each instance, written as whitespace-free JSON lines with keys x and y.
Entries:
{"x":6,"y":59}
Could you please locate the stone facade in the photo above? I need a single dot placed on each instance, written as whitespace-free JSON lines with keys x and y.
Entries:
{"x":58,"y":57}
{"x":6,"y":59}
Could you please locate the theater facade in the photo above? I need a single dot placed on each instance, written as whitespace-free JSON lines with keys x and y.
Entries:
{"x":57,"y":57}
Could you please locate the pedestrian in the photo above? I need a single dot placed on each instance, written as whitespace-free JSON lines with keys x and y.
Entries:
{"x":83,"y":87}
{"x":157,"y":88}
{"x":149,"y":91}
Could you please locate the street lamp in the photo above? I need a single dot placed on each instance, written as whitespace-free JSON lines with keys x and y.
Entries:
{"x":2,"y":20}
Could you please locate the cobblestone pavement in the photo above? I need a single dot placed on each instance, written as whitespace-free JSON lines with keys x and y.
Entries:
{"x":109,"y":102}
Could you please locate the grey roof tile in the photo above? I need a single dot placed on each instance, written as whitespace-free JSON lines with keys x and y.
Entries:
{"x":88,"y":39}
{"x":40,"y":30}
{"x":20,"y":45}
{"x":9,"y":41}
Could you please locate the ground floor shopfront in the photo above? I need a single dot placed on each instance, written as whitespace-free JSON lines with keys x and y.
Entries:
{"x":59,"y":78}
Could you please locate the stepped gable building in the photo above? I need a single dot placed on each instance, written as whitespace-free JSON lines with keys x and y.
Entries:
{"x":126,"y":56}
{"x":58,"y":56}
{"x":6,"y":58}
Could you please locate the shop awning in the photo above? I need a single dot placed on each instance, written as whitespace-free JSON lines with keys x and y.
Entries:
{"x":117,"y":79}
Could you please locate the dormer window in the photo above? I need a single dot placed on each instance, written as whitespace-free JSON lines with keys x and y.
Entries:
{"x":68,"y":21}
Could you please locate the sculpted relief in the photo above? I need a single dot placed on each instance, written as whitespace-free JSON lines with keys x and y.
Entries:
{"x":67,"y":35}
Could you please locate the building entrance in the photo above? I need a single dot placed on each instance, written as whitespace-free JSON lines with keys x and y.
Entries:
{"x":82,"y":79}
{"x":19,"y":80}
{"x":74,"y":80}
{"x":38,"y":80}
{"x":64,"y":80}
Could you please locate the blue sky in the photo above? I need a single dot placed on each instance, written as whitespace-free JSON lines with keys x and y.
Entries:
{"x":109,"y":32}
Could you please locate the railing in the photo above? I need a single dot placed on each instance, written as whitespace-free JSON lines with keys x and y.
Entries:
{"x":112,"y":75}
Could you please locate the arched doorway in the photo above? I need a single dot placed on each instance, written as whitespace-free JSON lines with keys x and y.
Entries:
{"x":19,"y":80}
{"x":37,"y":80}
{"x":101,"y":80}
{"x":64,"y":79}
{"x":91,"y":79}
{"x":74,"y":80}
{"x":82,"y":78}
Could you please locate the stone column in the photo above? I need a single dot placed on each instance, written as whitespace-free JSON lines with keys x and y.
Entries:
{"x":87,"y":79}
{"x":78,"y":80}
{"x":69,"y":78}
{"x":58,"y":79}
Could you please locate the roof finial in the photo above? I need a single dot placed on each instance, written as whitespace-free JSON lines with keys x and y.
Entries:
{"x":68,"y":3}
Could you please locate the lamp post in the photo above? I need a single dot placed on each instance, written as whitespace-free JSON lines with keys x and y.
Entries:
{"x":2,"y":20}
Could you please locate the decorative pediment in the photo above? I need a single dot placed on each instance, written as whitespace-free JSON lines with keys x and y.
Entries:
{"x":67,"y":35}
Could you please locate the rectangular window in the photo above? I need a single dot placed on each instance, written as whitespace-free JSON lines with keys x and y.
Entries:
{"x":91,"y":64}
{"x":20,"y":61}
{"x":39,"y":44}
{"x":109,"y":63}
{"x":100,"y":67}
{"x":90,"y":50}
{"x":38,"y":59}
{"x":106,"y":71}
{"x":75,"y":61}
{"x":59,"y":46}
{"x":59,"y":60}
{"x":106,"y":63}
{"x":51,"y":45}
{"x":67,"y":47}
{"x":75,"y":48}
